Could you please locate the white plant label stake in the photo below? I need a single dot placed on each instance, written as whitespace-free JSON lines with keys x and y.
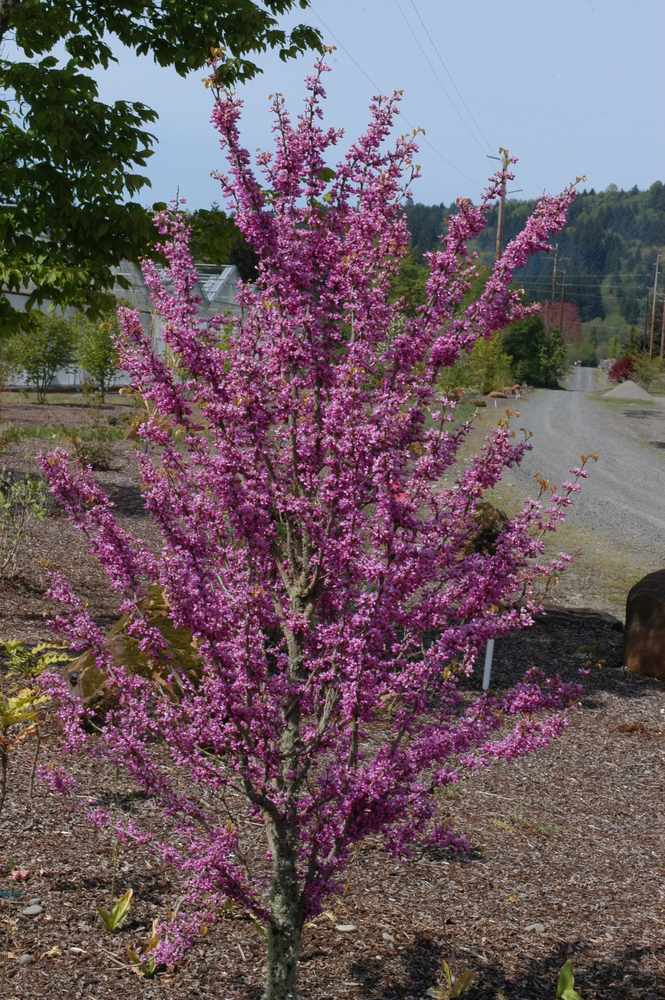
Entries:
{"x":489,"y":652}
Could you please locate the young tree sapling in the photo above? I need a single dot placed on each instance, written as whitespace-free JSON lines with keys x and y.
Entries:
{"x":309,"y":544}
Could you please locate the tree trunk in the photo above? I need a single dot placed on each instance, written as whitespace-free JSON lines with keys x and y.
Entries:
{"x":285,"y":926}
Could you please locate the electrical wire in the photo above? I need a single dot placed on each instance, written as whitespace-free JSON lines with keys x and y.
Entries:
{"x":378,"y":90}
{"x":453,"y":105}
{"x":449,"y":76}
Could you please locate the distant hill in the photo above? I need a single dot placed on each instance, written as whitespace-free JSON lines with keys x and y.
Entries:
{"x":608,"y":248}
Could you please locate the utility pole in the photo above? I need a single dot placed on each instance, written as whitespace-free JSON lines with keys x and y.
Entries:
{"x":646,"y":312}
{"x":499,"y":226}
{"x":549,"y":335}
{"x":563,"y":295}
{"x":556,"y":255}
{"x":653,"y":311}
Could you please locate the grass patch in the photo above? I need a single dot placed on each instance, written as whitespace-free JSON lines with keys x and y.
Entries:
{"x":10,"y":433}
{"x":596,"y":651}
{"x":82,"y":399}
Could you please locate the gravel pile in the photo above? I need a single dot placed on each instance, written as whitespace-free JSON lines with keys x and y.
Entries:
{"x":628,"y":390}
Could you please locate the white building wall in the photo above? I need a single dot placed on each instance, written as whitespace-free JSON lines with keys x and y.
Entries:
{"x":216,"y":289}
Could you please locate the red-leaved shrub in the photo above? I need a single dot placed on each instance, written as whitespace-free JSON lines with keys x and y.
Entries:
{"x":621,"y":370}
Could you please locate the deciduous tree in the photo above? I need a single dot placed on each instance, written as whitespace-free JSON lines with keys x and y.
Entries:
{"x":324,"y":572}
{"x":95,"y":349}
{"x":46,"y":347}
{"x":70,"y":164}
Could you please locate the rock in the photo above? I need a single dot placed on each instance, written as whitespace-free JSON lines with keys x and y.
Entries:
{"x":32,"y":911}
{"x":535,"y":928}
{"x":25,"y":959}
{"x":89,"y":684}
{"x":496,"y":395}
{"x":644,"y":636}
{"x":477,"y":402}
{"x":581,"y":614}
{"x":490,"y":521}
{"x":345,"y":928}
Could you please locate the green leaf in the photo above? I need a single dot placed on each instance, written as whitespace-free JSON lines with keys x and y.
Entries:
{"x":565,"y":987}
{"x":463,"y":982}
{"x":262,"y":931}
{"x":106,"y":917}
{"x":119,"y":913}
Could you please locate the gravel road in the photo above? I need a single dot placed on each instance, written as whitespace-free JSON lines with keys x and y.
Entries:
{"x":624,"y":497}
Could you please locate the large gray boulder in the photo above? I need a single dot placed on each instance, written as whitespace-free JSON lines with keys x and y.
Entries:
{"x":644,"y":635}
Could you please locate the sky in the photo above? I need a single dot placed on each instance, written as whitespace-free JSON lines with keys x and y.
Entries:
{"x":570,"y":88}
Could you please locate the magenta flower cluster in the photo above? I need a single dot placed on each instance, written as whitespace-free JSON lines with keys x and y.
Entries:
{"x":315,"y":542}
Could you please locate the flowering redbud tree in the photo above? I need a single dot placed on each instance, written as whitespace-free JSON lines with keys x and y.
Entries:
{"x":312,"y":543}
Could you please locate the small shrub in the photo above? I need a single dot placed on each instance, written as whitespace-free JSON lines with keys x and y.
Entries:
{"x":17,"y":710}
{"x":97,"y":454}
{"x":45,"y":348}
{"x":95,"y":349}
{"x":613,"y":348}
{"x":30,"y":663}
{"x":9,"y":434}
{"x":21,"y":503}
{"x":621,"y":370}
{"x":645,"y":372}
{"x":92,"y":442}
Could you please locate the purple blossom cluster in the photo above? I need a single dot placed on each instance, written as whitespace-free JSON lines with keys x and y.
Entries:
{"x":314,"y":542}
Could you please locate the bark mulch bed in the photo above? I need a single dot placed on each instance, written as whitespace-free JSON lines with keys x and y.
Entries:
{"x":566,"y":859}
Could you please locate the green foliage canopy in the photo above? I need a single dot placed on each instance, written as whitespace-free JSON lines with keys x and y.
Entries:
{"x":70,"y":164}
{"x":95,"y":351}
{"x":608,"y":247}
{"x":47,"y":346}
{"x":217,"y":240}
{"x":525,"y":342}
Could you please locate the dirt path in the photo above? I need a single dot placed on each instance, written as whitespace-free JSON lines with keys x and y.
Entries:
{"x":616,"y":528}
{"x":624,"y":497}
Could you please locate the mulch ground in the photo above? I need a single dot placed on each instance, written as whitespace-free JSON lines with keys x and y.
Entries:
{"x":566,"y":862}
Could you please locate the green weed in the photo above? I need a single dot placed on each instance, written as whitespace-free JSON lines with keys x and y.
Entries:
{"x":119,"y":912}
{"x":549,"y":830}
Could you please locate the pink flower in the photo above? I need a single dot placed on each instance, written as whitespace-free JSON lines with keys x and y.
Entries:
{"x":308,"y":544}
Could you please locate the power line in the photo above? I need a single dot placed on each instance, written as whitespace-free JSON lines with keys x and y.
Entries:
{"x":449,"y":76}
{"x":457,"y":111}
{"x":378,"y":90}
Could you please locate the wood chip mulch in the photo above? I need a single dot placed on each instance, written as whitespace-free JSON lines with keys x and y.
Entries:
{"x":567,"y":858}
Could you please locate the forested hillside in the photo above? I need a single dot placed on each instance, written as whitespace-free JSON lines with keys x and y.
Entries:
{"x":607,"y":250}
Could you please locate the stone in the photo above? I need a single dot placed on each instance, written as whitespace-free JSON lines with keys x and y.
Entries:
{"x":644,"y":634}
{"x":33,"y":911}
{"x":535,"y":928}
{"x":345,"y":928}
{"x":591,"y":615}
{"x":87,"y":683}
{"x":25,"y":959}
{"x":477,"y":402}
{"x":496,"y":395}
